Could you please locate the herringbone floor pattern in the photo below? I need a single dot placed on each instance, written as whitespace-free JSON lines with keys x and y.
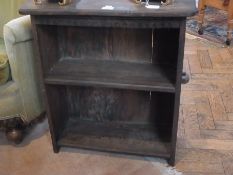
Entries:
{"x":205,"y":136}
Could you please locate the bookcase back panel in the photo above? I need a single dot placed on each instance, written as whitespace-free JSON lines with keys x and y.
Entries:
{"x":108,"y":105}
{"x":106,"y":43}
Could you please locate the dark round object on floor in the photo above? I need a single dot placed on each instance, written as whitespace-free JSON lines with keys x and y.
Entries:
{"x":185,"y":78}
{"x":200,"y":31}
{"x":228,"y":42}
{"x":14,"y":135}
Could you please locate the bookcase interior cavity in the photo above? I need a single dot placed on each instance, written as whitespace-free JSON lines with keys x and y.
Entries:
{"x":110,"y":88}
{"x":112,"y":119}
{"x":107,"y":57}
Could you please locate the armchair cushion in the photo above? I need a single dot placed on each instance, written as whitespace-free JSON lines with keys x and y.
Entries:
{"x":4,"y":69}
{"x":20,"y":29}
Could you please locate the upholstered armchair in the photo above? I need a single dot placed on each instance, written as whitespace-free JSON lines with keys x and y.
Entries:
{"x":20,"y":97}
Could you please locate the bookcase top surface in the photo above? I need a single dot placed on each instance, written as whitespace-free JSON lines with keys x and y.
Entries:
{"x":118,"y":8}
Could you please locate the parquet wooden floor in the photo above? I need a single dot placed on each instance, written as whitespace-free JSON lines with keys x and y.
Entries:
{"x":205,"y":136}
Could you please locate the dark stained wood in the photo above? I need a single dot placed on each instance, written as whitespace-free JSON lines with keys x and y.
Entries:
{"x":39,"y":66}
{"x":137,"y":41}
{"x":57,"y":111}
{"x":106,"y":21}
{"x":166,"y":44}
{"x":180,"y":57}
{"x":181,"y":8}
{"x":112,"y":78}
{"x":111,"y":74}
{"x":106,"y":43}
{"x":144,"y":132}
{"x":129,"y":138}
{"x":107,"y":104}
{"x":160,"y":114}
{"x":169,"y":48}
{"x":48,"y":35}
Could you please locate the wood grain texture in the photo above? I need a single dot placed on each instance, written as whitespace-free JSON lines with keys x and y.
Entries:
{"x":227,"y":96}
{"x":181,"y":8}
{"x":217,"y":106}
{"x":217,"y":134}
{"x":111,"y":74}
{"x":108,"y":104}
{"x":230,"y":116}
{"x":195,"y":65}
{"x":104,"y":67}
{"x":191,"y":121}
{"x":225,"y":125}
{"x":210,"y":94}
{"x":207,"y":144}
{"x":181,"y":128}
{"x":204,"y":58}
{"x":197,"y":167}
{"x":228,"y":167}
{"x":106,"y":43}
{"x":131,"y":138}
{"x":194,"y":97}
{"x":204,"y":115}
{"x":108,"y":21}
{"x":48,"y":35}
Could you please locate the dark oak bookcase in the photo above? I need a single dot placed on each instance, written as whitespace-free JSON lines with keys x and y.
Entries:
{"x":112,"y":79}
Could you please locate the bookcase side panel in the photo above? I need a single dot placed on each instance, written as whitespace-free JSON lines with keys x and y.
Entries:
{"x":48,"y":45}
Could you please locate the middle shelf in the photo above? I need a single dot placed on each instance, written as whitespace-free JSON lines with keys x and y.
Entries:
{"x":114,"y":74}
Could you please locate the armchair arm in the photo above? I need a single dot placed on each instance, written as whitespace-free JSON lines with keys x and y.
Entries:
{"x":19,"y":46}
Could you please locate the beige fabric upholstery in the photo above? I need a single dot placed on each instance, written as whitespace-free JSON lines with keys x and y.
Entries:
{"x":22,"y":96}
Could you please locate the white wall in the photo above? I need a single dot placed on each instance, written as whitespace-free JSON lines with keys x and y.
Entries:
{"x":8,"y":11}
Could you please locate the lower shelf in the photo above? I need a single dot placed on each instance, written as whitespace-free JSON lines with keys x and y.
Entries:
{"x":135,"y":139}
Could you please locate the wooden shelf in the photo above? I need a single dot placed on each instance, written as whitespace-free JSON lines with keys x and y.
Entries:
{"x":129,"y":138}
{"x":115,"y":74}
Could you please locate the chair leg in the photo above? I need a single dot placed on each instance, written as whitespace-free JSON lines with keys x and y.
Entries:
{"x":14,"y":130}
{"x":230,"y":23}
{"x":201,"y":14}
{"x":229,"y":38}
{"x":226,"y":2}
